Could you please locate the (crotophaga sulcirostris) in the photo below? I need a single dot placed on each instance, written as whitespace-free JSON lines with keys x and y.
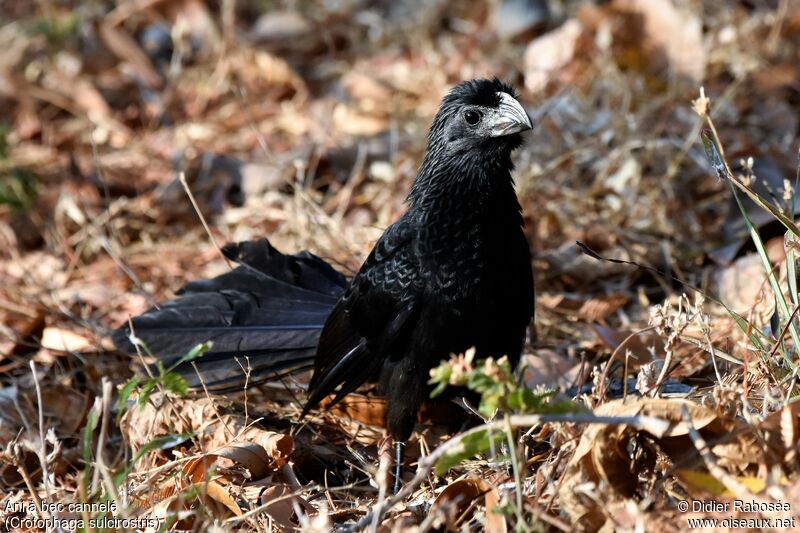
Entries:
{"x":453,"y":272}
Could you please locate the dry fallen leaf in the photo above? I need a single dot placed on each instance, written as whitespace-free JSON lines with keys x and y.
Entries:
{"x":668,"y":34}
{"x":781,"y":430}
{"x":352,"y":122}
{"x":743,"y":287}
{"x":545,"y":56}
{"x":64,"y":409}
{"x":495,"y":520}
{"x":369,"y":92}
{"x":550,"y":369}
{"x":613,"y":459}
{"x":403,"y":522}
{"x":702,"y":485}
{"x":64,"y":340}
{"x":280,"y":504}
{"x":220,"y":494}
{"x":641,"y":348}
{"x":591,"y":309}
{"x":367,"y":409}
{"x":456,"y":499}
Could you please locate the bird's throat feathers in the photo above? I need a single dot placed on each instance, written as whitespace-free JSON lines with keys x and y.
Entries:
{"x":470,"y":178}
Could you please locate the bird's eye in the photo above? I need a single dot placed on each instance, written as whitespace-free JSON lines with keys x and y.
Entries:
{"x":472,"y":117}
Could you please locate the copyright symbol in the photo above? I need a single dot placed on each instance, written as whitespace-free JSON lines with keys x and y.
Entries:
{"x":683,"y":506}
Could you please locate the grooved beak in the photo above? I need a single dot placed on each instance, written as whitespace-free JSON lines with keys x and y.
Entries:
{"x":508,"y":118}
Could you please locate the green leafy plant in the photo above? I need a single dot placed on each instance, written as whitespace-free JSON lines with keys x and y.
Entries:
{"x":17,"y":186}
{"x":58,"y":29}
{"x":499,"y":392}
{"x":167,"y":379}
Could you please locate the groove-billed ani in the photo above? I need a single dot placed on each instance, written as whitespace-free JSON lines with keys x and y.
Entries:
{"x":453,"y":272}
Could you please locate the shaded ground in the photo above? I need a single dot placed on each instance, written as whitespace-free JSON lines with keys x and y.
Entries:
{"x":305,"y":123}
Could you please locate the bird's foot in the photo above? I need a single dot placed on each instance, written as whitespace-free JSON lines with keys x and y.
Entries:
{"x":399,"y":452}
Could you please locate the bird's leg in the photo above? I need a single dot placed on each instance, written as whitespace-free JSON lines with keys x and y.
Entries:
{"x":399,"y":452}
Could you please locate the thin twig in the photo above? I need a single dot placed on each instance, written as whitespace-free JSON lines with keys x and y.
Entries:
{"x":515,"y":467}
{"x":101,"y":438}
{"x":19,"y":462}
{"x":42,"y":449}
{"x":213,"y":404}
{"x":247,"y":371}
{"x":137,"y":345}
{"x":182,"y":178}
{"x":236,"y":520}
{"x":382,"y":478}
{"x":713,"y":357}
{"x":783,"y":333}
{"x":702,"y":447}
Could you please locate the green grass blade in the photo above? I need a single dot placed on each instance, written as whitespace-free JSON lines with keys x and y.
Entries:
{"x":783,"y":307}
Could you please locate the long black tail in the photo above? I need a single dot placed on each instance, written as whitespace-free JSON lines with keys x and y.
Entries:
{"x":268,"y":312}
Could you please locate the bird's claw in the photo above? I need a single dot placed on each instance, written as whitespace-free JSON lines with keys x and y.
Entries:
{"x":399,"y":452}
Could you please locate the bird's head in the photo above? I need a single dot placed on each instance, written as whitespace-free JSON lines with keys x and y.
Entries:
{"x":470,"y":142}
{"x":480,"y":117}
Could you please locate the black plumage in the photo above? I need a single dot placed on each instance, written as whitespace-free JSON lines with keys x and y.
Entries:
{"x":268,"y":312}
{"x":453,"y":272}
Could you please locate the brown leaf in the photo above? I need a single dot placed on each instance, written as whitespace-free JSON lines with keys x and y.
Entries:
{"x":251,"y":455}
{"x":607,"y":456}
{"x":27,"y":327}
{"x":669,"y":36}
{"x":547,"y":55}
{"x":671,"y":410}
{"x":197,"y":468}
{"x":788,"y":427}
{"x":63,"y":407}
{"x":495,"y":521}
{"x":10,"y":475}
{"x":781,"y":429}
{"x":367,"y":90}
{"x":743,"y":285}
{"x":363,"y":408}
{"x":590,"y":309}
{"x":638,"y":345}
{"x":579,"y":268}
{"x":59,"y":339}
{"x":352,"y":122}
{"x":277,"y":446}
{"x":281,"y":510}
{"x":280,"y":27}
{"x":456,"y":499}
{"x":218,"y":493}
{"x":775,"y":77}
{"x":549,"y":368}
{"x":403,"y":522}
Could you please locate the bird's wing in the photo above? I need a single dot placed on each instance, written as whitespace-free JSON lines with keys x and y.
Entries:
{"x":378,"y":307}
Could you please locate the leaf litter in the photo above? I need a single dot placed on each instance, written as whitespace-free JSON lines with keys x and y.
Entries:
{"x":305,"y":124}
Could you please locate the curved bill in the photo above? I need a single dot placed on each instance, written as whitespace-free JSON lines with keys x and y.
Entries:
{"x":509,"y":117}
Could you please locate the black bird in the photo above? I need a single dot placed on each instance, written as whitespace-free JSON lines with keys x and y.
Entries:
{"x":453,"y":272}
